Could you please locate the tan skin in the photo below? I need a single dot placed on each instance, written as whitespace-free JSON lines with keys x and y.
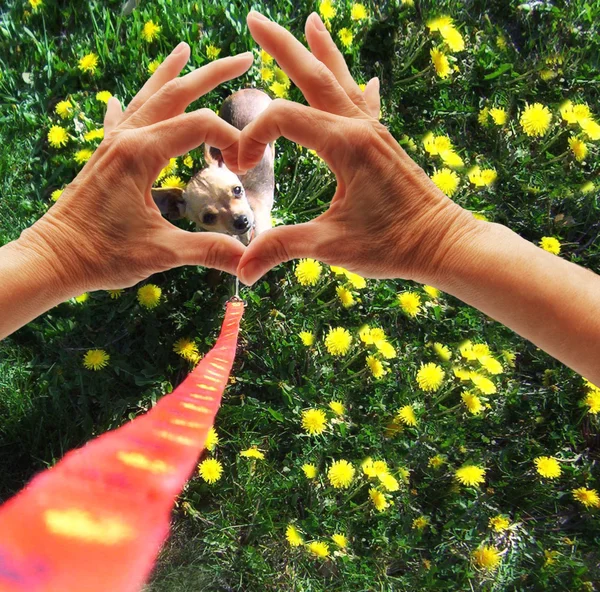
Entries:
{"x":387,"y":219}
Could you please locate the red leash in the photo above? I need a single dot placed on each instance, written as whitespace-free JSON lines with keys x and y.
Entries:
{"x":96,"y":521}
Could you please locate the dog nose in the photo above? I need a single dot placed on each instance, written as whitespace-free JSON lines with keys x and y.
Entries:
{"x":241,"y":223}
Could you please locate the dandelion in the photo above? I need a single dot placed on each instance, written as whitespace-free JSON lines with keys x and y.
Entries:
{"x":82,"y":156}
{"x":591,"y":129}
{"x":212,"y":52}
{"x":386,"y":349}
{"x":443,"y":351}
{"x":440,"y":63}
{"x":337,"y":407}
{"x":338,"y":341}
{"x":430,"y":377}
{"x":293,"y":536}
{"x":150,"y":31}
{"x":472,"y":402}
{"x":410,"y":303}
{"x":253,"y":452}
{"x":153,"y":66}
{"x":406,"y":415}
{"x":588,"y":497}
{"x":35,"y":4}
{"x":388,"y":482}
{"x":95,"y":359}
{"x":341,"y":474}
{"x":56,"y":194}
{"x":95,"y":134}
{"x":307,"y":338}
{"x":57,"y":136}
{"x":345,"y":297}
{"x":573,"y":114}
{"x":266,"y":74}
{"x":588,"y":187}
{"x":446,"y":180}
{"x":420,"y":523}
{"x":210,"y":470}
{"x":149,"y":295}
{"x":187,"y":349}
{"x":578,"y":148}
{"x":547,"y":467}
{"x":308,"y":272}
{"x":483,"y":116}
{"x":188,"y":161}
{"x":327,"y":10}
{"x":485,"y":385}
{"x":103,"y":96}
{"x":212,"y":439}
{"x":550,"y":244}
{"x":592,"y":400}
{"x":309,"y":470}
{"x":265,"y":57}
{"x":376,"y":367}
{"x":89,"y":63}
{"x":535,"y":119}
{"x":63,"y":109}
{"x":499,"y":116}
{"x":173,"y":181}
{"x":358,"y":12}
{"x":314,"y":421}
{"x":487,"y":557}
{"x":279,"y":90}
{"x":470,"y":475}
{"x":453,"y":38}
{"x":499,"y":523}
{"x":431,"y":291}
{"x":168,"y":170}
{"x":435,"y":462}
{"x":490,"y":364}
{"x":340,"y":540}
{"x":319,"y":549}
{"x":346,"y":37}
{"x":379,"y":500}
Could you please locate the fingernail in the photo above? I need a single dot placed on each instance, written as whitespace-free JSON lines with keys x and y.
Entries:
{"x":247,"y":272}
{"x":258,"y":15}
{"x":318,"y":22}
{"x":376,"y":79}
{"x":179,"y":48}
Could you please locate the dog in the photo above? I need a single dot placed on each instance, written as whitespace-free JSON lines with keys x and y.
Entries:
{"x":218,"y":200}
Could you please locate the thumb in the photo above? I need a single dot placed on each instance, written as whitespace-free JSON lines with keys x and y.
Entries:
{"x":278,"y":245}
{"x":372,"y":98}
{"x":208,"y":249}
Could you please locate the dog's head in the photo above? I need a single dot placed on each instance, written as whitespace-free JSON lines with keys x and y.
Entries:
{"x":214,"y":199}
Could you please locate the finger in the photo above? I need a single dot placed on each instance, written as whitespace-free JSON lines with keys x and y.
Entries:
{"x":167,"y":71}
{"x":325,"y":50}
{"x":299,"y":123}
{"x":372,"y":97}
{"x":208,"y":249}
{"x":280,"y":244}
{"x":175,"y":96}
{"x":113,"y":115}
{"x":311,"y":76}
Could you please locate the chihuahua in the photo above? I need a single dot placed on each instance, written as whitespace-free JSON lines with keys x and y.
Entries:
{"x":216,"y":199}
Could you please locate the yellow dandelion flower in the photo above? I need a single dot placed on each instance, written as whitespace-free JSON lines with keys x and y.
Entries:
{"x":58,"y":136}
{"x":95,"y":134}
{"x":431,"y":291}
{"x":36,"y":4}
{"x":550,"y":244}
{"x":337,"y":407}
{"x":319,"y":549}
{"x":309,"y":470}
{"x":578,"y":148}
{"x":212,"y":52}
{"x":379,"y":500}
{"x":472,"y":402}
{"x":64,"y":109}
{"x":266,"y":74}
{"x":114,"y":294}
{"x":308,"y":272}
{"x":340,"y":540}
{"x":103,"y":96}
{"x":440,"y":23}
{"x":430,"y":377}
{"x":345,"y":296}
{"x":346,"y":37}
{"x":440,"y":62}
{"x":293,"y":536}
{"x":590,"y":128}
{"x":340,"y":474}
{"x":410,"y":303}
{"x":307,"y":338}
{"x":82,"y":298}
{"x":386,"y":349}
{"x":82,"y":156}
{"x":150,"y":31}
{"x":279,"y":90}
{"x":547,"y":467}
{"x":406,"y":415}
{"x":588,"y":497}
{"x":168,"y":170}
{"x":592,"y":400}
{"x":420,"y":523}
{"x":435,"y":462}
{"x":89,"y":63}
{"x":535,"y":119}
{"x":388,"y":482}
{"x":188,"y":161}
{"x":212,"y":439}
{"x":453,"y":38}
{"x":499,"y":523}
{"x":358,"y":12}
{"x":253,"y":452}
{"x":95,"y":359}
{"x":338,"y":341}
{"x":376,"y":367}
{"x":492,"y":365}
{"x":265,"y":57}
{"x":487,"y":557}
{"x":483,"y":116}
{"x":484,"y":384}
{"x":314,"y":421}
{"x":187,"y":349}
{"x":149,"y":295}
{"x":327,"y":10}
{"x":470,"y":475}
{"x":173,"y":181}
{"x":443,"y":351}
{"x":446,"y":180}
{"x":500,"y":116}
{"x":452,"y":159}
{"x":56,"y":194}
{"x":210,"y":470}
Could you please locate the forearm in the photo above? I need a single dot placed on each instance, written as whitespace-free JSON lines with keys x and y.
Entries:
{"x":551,"y":302}
{"x":30,"y":284}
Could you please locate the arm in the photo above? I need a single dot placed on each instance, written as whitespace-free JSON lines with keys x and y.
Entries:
{"x":105,"y":231}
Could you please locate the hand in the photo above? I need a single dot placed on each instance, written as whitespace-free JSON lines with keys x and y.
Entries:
{"x":387,"y":219}
{"x":105,"y":231}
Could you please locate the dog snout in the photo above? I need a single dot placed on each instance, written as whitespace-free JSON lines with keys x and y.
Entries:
{"x":241,"y":223}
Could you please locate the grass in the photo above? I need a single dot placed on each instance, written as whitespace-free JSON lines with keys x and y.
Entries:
{"x":231,"y":535}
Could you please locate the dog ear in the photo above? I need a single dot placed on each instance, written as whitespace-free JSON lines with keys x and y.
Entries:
{"x":170,"y":202}
{"x":213,"y":156}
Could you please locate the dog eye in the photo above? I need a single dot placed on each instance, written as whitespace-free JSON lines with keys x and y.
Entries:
{"x":237,"y":191}
{"x":209,"y":218}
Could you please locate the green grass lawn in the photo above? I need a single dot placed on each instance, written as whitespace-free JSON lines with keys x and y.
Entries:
{"x":500,"y":403}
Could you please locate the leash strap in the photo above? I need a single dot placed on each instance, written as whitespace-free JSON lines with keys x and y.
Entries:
{"x":97,"y":519}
